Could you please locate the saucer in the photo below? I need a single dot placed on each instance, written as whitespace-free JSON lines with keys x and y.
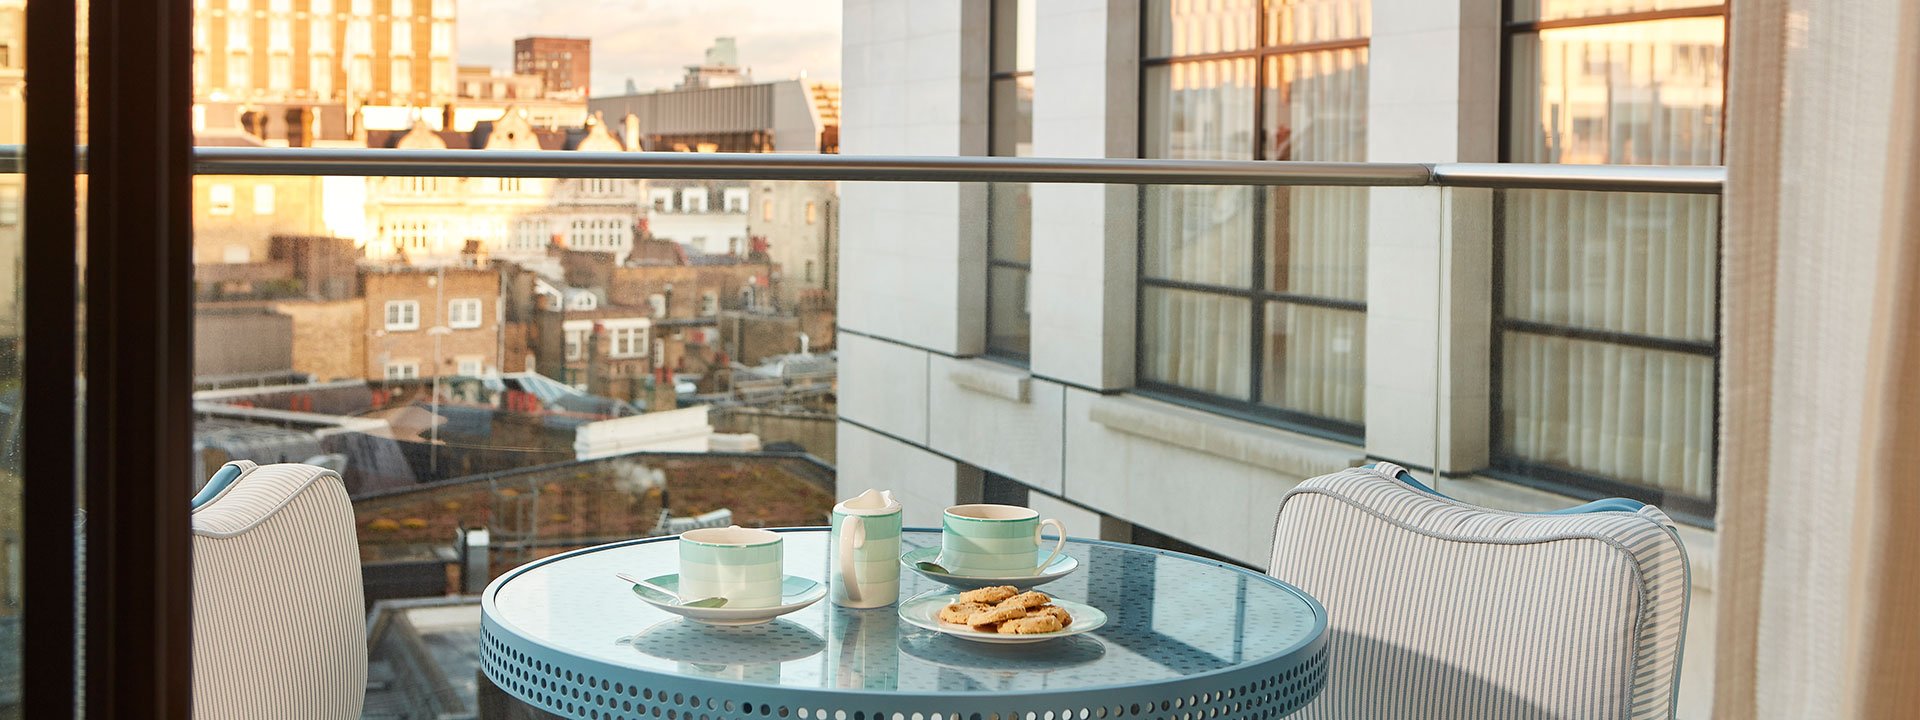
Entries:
{"x":795,"y":593}
{"x":924,"y":611}
{"x":1061,"y":567}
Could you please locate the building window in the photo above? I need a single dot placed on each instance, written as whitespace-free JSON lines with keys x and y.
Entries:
{"x":403,"y":370}
{"x":735,"y":200}
{"x":470,"y":365}
{"x":813,"y":212}
{"x":441,"y":83}
{"x":574,"y":344}
{"x":602,"y":186}
{"x":1009,"y":205}
{"x":280,"y":72}
{"x":627,"y":342}
{"x":442,"y":39}
{"x":530,"y":233}
{"x":220,"y":199}
{"x":239,"y":71}
{"x":263,"y":199}
{"x":1255,"y":298}
{"x":766,"y":210}
{"x":662,"y":199}
{"x":280,"y":35}
{"x":9,"y":205}
{"x":403,"y":315}
{"x":239,"y":30}
{"x":401,"y":81}
{"x":1589,"y":396}
{"x":809,"y":278}
{"x":320,"y":77}
{"x":463,"y":313}
{"x":401,"y":9}
{"x":321,"y":30}
{"x":693,"y":200}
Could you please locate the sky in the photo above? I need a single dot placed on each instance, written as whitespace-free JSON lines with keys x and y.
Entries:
{"x":652,"y":41}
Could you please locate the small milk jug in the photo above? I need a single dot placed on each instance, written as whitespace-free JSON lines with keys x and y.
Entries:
{"x":865,"y":551}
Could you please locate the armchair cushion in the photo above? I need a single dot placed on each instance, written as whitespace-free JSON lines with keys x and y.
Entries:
{"x":279,"y":616}
{"x":1439,"y":608}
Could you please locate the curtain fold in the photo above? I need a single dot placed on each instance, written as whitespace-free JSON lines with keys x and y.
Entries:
{"x":1818,"y":589}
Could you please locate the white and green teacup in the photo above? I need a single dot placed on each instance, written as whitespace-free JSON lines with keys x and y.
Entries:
{"x":743,"y":565}
{"x":995,"y":540}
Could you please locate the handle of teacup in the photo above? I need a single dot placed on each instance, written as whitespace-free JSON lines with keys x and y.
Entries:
{"x":1058,"y":545}
{"x":853,"y":535}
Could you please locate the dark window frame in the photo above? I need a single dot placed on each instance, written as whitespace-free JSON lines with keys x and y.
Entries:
{"x":1548,"y":476}
{"x":995,"y":76}
{"x":1257,"y":292}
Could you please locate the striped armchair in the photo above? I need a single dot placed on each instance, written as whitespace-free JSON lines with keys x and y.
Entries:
{"x":1440,"y":609}
{"x":279,"y":621}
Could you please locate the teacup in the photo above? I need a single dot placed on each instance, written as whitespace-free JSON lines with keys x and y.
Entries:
{"x":995,"y":540}
{"x":743,"y":565}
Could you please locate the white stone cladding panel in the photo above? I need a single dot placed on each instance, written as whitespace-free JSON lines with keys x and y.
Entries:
{"x":1080,"y":522}
{"x":922,"y":481}
{"x":884,"y":386}
{"x":1197,"y":496}
{"x":1020,"y":440}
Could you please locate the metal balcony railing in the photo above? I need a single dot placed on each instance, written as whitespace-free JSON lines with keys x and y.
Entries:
{"x":760,"y":166}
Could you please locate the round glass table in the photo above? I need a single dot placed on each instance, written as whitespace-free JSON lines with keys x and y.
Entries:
{"x":1186,"y":639}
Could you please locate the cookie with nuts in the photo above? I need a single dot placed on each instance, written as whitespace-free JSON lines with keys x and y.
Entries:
{"x":989,"y":595}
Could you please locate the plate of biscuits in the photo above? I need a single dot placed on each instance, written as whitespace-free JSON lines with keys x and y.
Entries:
{"x":1001,"y":614}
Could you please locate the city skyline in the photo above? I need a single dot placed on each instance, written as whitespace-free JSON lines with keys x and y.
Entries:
{"x":651,"y":41}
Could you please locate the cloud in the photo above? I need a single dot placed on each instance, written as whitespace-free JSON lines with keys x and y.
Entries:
{"x":652,"y":41}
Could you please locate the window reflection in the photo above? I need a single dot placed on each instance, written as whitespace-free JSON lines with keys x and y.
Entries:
{"x":1631,"y":94}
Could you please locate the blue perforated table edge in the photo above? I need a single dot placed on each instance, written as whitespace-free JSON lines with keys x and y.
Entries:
{"x":568,"y":685}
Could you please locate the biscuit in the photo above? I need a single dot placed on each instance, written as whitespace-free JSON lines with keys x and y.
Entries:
{"x":996,"y":614}
{"x":958,"y":613}
{"x":1030,"y":625}
{"x":989,"y":595}
{"x":1029,"y":600}
{"x":986,"y":627}
{"x":1057,"y":612}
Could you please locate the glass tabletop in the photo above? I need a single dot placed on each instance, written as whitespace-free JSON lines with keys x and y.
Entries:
{"x":1171,"y":617}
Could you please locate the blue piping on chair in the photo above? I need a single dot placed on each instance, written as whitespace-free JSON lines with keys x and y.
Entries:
{"x":220,"y":480}
{"x":1602,"y":505}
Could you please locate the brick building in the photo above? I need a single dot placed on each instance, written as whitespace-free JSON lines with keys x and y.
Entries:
{"x":609,"y":350}
{"x":329,"y":337}
{"x":564,"y":64}
{"x":235,"y":216}
{"x":407,"y":308}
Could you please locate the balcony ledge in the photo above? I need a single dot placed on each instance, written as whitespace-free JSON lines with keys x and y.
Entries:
{"x":1276,"y":450}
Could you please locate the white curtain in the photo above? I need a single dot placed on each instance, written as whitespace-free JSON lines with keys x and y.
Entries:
{"x":1199,"y":234}
{"x":1313,"y":357}
{"x":1818,"y":591}
{"x":1192,"y":339}
{"x":1632,"y":263}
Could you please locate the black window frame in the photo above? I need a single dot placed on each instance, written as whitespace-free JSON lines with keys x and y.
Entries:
{"x":1257,"y":293}
{"x":995,"y":76}
{"x":1547,"y":476}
